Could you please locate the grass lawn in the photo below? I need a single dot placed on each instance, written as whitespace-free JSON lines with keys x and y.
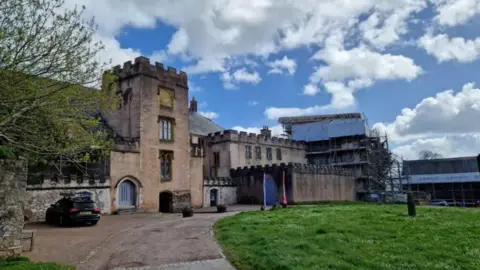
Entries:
{"x":22,"y":263}
{"x":352,"y":237}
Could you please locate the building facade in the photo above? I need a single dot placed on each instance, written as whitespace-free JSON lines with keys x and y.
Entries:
{"x":150,"y":163}
{"x":345,"y":141}
{"x":231,"y":149}
{"x":451,"y":179}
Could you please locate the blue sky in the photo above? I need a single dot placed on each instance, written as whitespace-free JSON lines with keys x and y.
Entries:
{"x":250,"y":62}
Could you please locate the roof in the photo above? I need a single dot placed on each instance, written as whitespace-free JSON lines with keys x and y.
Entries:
{"x":200,"y":125}
{"x":326,"y":129}
{"x":316,"y":118}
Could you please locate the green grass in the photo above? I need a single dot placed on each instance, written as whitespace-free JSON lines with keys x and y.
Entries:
{"x":352,"y":237}
{"x":22,"y":263}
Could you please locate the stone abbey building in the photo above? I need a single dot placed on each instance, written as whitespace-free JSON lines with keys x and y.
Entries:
{"x":165,"y":149}
{"x":167,"y":155}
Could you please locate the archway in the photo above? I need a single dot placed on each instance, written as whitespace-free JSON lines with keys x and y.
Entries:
{"x":127,"y":194}
{"x":270,"y":190}
{"x":213,"y":197}
{"x":166,"y":202}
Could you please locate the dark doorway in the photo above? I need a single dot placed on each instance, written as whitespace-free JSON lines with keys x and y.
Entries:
{"x":166,"y":204}
{"x":213,"y":197}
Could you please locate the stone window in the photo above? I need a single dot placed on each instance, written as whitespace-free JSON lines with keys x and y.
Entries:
{"x":166,"y":98}
{"x":248,"y":152}
{"x":165,"y":126}
{"x":166,"y":158}
{"x":258,"y":152}
{"x":216,"y":159}
{"x":269,"y":153}
{"x":279,"y":154}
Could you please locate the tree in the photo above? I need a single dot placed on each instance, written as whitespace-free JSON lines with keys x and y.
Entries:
{"x":47,"y":59}
{"x":427,"y":154}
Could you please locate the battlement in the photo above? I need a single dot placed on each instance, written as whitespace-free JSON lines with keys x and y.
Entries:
{"x":219,"y":181}
{"x":252,"y":138}
{"x":141,"y":65}
{"x":54,"y":181}
{"x":294,"y":168}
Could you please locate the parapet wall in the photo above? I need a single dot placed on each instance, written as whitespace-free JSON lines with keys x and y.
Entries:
{"x":219,"y":181}
{"x":141,"y":65}
{"x":252,"y":138}
{"x":52,"y":188}
{"x":293,"y":168}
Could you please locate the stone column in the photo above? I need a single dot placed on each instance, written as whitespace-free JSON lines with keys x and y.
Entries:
{"x":13,"y":182}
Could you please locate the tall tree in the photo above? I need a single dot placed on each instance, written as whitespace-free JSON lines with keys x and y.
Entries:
{"x":427,"y":154}
{"x":48,"y":57}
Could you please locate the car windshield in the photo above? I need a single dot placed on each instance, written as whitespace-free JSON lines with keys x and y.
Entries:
{"x":84,"y":205}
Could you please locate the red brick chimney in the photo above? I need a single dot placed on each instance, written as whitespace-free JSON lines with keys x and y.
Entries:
{"x":193,"y":105}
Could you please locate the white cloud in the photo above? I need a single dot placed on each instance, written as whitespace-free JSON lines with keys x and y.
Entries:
{"x":279,"y":66}
{"x":212,"y":34}
{"x":230,"y":81}
{"x":444,"y":124}
{"x":277,"y":130}
{"x":447,"y":146}
{"x":209,"y":115}
{"x":349,"y":70}
{"x":252,"y":103}
{"x":455,"y":12}
{"x":310,"y":89}
{"x":446,"y":113}
{"x":446,"y":49}
{"x":273,"y":113}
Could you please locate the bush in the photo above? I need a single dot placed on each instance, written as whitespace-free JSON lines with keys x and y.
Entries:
{"x":221,"y":208}
{"x":187,"y":211}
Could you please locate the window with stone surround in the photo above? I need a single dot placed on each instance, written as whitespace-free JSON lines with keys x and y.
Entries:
{"x":165,"y":127}
{"x":269,"y":153}
{"x":248,"y":152}
{"x":258,"y":152}
{"x":279,"y":154}
{"x":166,"y":158}
{"x":166,"y":98}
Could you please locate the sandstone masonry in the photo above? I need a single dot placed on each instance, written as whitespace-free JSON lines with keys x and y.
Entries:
{"x":13,"y":180}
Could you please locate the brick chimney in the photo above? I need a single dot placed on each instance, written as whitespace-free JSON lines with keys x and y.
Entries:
{"x":266,"y":132}
{"x":193,"y":105}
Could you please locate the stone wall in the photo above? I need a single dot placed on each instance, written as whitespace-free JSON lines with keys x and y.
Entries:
{"x":40,"y":197}
{"x":322,"y":185}
{"x":196,"y":180}
{"x":226,"y":191}
{"x":181,"y":199}
{"x":13,"y":180}
{"x":231,"y":146}
{"x":138,"y":117}
{"x":302,"y":183}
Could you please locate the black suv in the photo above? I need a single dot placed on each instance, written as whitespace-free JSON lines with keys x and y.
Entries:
{"x":70,"y":211}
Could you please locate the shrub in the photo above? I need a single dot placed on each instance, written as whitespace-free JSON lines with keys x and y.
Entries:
{"x":221,"y":208}
{"x":187,"y":211}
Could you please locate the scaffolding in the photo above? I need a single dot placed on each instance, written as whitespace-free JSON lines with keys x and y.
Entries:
{"x":460,"y":184}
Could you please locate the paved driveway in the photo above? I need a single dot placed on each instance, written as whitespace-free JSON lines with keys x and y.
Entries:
{"x":144,"y":241}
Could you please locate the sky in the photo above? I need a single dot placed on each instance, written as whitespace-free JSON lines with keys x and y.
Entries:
{"x":411,"y":66}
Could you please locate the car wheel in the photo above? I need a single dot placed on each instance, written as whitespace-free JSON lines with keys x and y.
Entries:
{"x":93,"y":223}
{"x":61,"y":221}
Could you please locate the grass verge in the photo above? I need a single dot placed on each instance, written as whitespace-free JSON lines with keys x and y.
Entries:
{"x":23,"y":263}
{"x":352,"y":237}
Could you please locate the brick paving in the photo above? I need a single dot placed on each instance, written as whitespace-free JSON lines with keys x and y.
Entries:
{"x":137,"y":241}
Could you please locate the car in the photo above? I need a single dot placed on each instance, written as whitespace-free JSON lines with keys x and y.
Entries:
{"x":439,"y":203}
{"x":71,"y":211}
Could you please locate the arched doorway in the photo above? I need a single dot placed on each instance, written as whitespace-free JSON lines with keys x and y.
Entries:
{"x":270,"y":190}
{"x":127,"y":194}
{"x":166,"y":203}
{"x":213,"y":197}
